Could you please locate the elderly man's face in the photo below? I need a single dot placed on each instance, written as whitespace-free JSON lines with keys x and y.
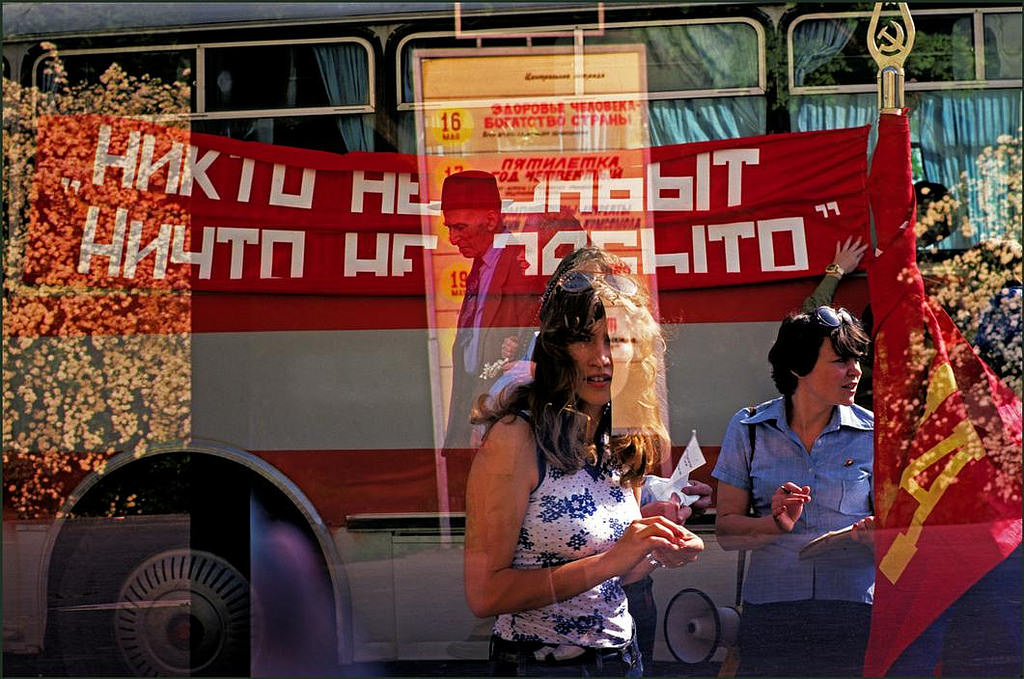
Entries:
{"x":471,"y":230}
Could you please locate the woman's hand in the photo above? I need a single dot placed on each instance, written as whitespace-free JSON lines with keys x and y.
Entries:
{"x":864,"y":531}
{"x":698,"y":488}
{"x":670,"y":509}
{"x":849,"y":253}
{"x":673,"y":509}
{"x":680,"y":554}
{"x":643,"y":536}
{"x":788,"y":504}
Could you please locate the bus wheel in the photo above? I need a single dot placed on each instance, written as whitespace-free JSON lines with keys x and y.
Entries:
{"x":184,"y":612}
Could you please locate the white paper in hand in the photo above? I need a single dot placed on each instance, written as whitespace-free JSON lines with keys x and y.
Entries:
{"x":692,"y":458}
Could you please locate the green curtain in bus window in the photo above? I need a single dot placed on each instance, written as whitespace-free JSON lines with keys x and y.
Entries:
{"x":680,"y":121}
{"x":1002,"y":46}
{"x":816,"y":43}
{"x":955,"y":128}
{"x":343,"y":69}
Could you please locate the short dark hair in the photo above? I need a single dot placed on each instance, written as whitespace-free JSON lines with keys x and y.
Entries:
{"x":799,"y":341}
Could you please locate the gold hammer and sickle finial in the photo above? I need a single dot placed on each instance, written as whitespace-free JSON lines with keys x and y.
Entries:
{"x":893,"y":43}
{"x":897,"y":40}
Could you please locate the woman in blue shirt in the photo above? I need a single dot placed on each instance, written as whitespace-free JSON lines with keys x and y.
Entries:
{"x":795,"y":468}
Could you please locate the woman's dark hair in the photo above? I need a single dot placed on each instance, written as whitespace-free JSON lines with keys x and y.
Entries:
{"x":566,"y":317}
{"x":799,"y":341}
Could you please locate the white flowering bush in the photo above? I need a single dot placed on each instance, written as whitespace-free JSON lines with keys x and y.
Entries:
{"x":968,"y":285}
{"x":87,"y":372}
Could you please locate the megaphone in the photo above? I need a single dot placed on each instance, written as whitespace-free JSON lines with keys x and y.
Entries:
{"x":695,"y":628}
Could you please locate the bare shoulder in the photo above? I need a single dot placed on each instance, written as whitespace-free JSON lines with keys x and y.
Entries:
{"x":508,"y":448}
{"x":509,"y":431}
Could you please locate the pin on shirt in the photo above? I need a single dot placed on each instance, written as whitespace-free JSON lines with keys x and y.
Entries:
{"x":849,"y":462}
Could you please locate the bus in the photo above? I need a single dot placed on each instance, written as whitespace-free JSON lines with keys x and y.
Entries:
{"x":241,"y":472}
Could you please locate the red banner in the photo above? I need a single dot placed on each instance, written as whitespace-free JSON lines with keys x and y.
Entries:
{"x":123,"y":204}
{"x":947,"y":433}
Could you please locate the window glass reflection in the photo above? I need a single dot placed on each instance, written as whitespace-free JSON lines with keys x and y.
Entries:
{"x":286,"y":76}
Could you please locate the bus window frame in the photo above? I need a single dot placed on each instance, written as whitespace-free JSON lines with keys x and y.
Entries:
{"x":199,"y":76}
{"x":479,"y":36}
{"x":977,"y":15}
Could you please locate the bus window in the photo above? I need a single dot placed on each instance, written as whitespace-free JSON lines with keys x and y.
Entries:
{"x":686,"y":61}
{"x":693,"y":57}
{"x":167,"y":64}
{"x":317,"y":94}
{"x":965,"y":66}
{"x":335,"y":134}
{"x":1002,"y":46}
{"x":258,"y":77}
{"x":690,"y":66}
{"x":829,"y":52}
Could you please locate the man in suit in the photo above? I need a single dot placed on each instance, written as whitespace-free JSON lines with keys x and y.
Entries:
{"x":498,"y":309}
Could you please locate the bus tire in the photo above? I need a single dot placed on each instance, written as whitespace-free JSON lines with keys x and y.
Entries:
{"x":184,"y":612}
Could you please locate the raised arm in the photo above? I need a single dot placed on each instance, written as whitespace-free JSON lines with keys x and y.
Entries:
{"x":503,"y":474}
{"x":846,"y":259}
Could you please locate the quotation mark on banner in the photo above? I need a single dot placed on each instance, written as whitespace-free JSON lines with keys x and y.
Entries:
{"x":74,"y":185}
{"x":823,"y":208}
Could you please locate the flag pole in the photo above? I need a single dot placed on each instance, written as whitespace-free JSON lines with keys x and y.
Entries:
{"x":897,"y":39}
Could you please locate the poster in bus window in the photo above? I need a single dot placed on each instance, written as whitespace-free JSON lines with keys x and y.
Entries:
{"x":564,"y":131}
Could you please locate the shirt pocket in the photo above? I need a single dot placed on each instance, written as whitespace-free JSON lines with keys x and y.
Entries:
{"x":856,"y":498}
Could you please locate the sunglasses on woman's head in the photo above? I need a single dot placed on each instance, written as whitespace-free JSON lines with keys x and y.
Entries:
{"x":832,"y":318}
{"x":578,"y":281}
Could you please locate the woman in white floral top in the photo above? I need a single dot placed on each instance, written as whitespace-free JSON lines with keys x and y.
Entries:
{"x":553,"y":526}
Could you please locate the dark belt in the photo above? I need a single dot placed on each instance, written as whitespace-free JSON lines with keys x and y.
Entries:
{"x":509,"y":655}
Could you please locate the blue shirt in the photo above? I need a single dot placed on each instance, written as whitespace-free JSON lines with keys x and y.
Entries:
{"x":838,"y":470}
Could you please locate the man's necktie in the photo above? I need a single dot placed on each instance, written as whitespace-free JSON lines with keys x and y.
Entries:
{"x":468,"y":311}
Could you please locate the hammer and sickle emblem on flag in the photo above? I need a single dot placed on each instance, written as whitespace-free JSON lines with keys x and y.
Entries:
{"x":962,"y":446}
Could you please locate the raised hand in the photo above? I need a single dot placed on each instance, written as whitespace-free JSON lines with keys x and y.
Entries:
{"x":849,"y":253}
{"x":788,"y":504}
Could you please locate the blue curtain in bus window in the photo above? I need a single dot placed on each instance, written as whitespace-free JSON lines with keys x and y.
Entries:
{"x":406,"y":132}
{"x":680,"y":121}
{"x":344,"y":72}
{"x":815,"y":43}
{"x":832,"y":111}
{"x":956,"y":127}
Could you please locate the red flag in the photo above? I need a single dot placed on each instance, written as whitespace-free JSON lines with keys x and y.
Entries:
{"x":947,"y":433}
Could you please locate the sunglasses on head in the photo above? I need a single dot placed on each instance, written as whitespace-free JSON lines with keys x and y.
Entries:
{"x":832,"y":318}
{"x":579,"y":281}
